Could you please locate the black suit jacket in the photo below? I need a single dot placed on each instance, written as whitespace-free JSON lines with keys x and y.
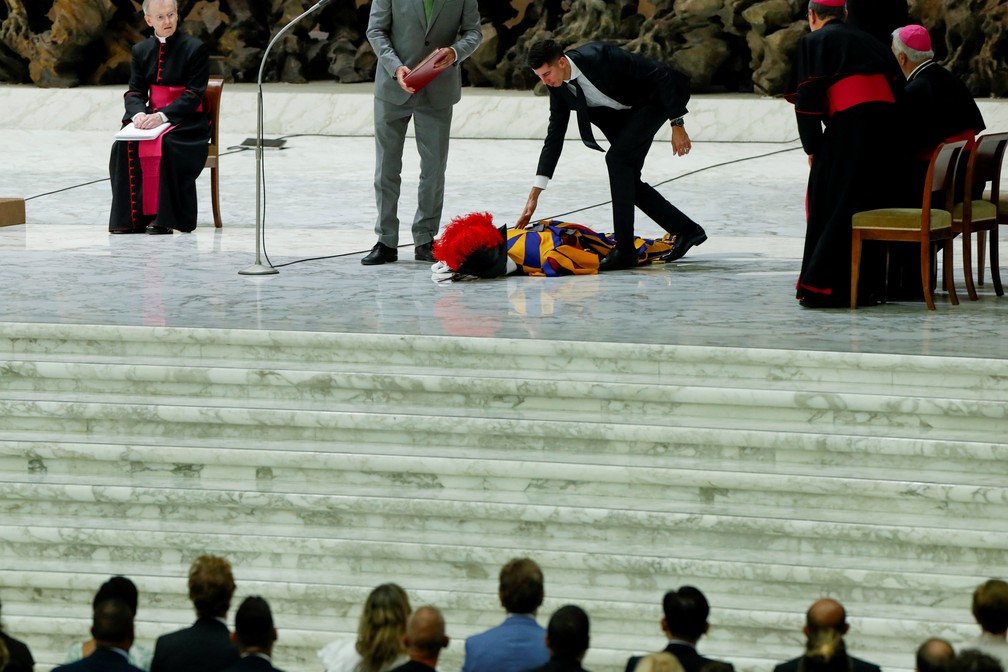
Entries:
{"x":857,"y":665}
{"x":559,"y":665}
{"x":627,"y":78}
{"x":205,"y":646}
{"x":413,"y":666}
{"x":252,"y":663}
{"x":102,"y":660}
{"x":686,"y":655}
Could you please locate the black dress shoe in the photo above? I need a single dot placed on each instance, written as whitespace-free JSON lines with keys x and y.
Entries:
{"x":125,"y":231}
{"x":684,"y":241}
{"x":822,"y":301}
{"x":380,"y":254}
{"x":424,"y":252}
{"x":617,"y":260}
{"x":155,"y":230}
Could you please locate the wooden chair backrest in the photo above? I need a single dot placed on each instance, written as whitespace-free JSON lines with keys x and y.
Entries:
{"x":212,"y":97}
{"x":985,"y":162}
{"x":941,"y":174}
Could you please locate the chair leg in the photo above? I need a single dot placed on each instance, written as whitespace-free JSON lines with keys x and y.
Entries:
{"x":995,"y":263}
{"x":981,"y":255}
{"x":855,"y":266}
{"x":947,"y":272}
{"x":967,"y":243}
{"x":215,"y":197}
{"x":925,"y":270}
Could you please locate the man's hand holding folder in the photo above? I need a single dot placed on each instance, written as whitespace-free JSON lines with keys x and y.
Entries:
{"x":412,"y":80}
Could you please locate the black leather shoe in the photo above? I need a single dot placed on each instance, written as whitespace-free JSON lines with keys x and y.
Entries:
{"x":822,"y":301}
{"x":424,"y":252}
{"x":125,"y":231}
{"x":380,"y":254}
{"x":684,"y":241}
{"x":155,"y":230}
{"x":617,"y":260}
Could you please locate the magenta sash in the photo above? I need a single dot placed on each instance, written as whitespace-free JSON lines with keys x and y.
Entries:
{"x":150,"y":150}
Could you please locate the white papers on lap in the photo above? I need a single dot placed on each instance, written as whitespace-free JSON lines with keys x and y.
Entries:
{"x":131,"y":132}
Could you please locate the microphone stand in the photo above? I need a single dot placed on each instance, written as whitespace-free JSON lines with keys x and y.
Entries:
{"x":258,"y":268}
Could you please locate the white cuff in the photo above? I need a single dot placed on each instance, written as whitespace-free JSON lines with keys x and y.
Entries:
{"x":541,"y":182}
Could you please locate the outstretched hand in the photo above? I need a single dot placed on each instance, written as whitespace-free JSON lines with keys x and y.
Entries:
{"x":530,"y":208}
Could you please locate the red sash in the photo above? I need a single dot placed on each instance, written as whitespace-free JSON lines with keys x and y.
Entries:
{"x":857,"y":89}
{"x":150,"y":150}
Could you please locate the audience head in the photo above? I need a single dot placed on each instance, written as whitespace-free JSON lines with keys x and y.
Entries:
{"x":521,"y":586}
{"x":4,"y":655}
{"x":990,"y":606}
{"x":118,"y":588}
{"x":826,"y":10}
{"x":935,"y":655}
{"x":825,"y":652}
{"x":686,"y":611}
{"x":567,"y":633}
{"x":425,"y":634}
{"x":254,"y":629}
{"x":112,"y":624}
{"x":825,"y":614}
{"x":382,"y":626}
{"x":661,"y":662}
{"x":972,"y":660}
{"x":211,"y":586}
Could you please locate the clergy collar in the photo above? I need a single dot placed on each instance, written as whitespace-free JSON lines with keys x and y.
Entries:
{"x":916,"y":71}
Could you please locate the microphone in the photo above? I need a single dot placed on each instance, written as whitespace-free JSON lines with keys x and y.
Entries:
{"x":258,"y":268}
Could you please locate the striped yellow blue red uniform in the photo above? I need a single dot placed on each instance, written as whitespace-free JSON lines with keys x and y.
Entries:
{"x":554,"y":248}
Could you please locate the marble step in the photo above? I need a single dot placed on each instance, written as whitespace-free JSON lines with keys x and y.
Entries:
{"x":973,"y":377}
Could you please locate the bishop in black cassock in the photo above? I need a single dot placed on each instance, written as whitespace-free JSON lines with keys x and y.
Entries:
{"x":155,"y":191}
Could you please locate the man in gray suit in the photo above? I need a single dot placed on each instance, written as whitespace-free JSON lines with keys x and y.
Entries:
{"x":403,"y":33}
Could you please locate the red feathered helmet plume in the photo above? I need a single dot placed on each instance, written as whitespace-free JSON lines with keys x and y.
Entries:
{"x":471,"y":244}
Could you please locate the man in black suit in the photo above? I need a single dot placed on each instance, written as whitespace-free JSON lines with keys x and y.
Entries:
{"x":567,"y":639}
{"x":424,"y":639}
{"x":685,"y":621}
{"x":629,"y":98}
{"x":255,"y":635}
{"x":206,"y":645}
{"x":827,"y":614}
{"x":112,"y":629}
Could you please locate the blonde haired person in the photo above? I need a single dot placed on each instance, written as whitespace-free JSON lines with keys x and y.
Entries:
{"x":659,"y":662}
{"x":379,"y":644}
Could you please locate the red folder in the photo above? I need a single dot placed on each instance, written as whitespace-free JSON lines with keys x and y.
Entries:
{"x":424,"y":72}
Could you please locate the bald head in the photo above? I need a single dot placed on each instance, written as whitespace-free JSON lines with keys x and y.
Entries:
{"x":425,"y":633}
{"x":826,"y":614}
{"x":935,"y":655}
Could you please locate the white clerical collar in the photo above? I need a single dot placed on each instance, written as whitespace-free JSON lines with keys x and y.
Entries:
{"x":920,"y":67}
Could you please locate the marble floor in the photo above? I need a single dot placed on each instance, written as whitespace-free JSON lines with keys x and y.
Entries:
{"x":735,"y":290}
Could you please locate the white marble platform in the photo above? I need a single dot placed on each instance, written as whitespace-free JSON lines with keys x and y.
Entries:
{"x":352,"y":425}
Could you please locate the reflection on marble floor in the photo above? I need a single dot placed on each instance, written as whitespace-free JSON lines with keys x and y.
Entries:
{"x":735,"y":290}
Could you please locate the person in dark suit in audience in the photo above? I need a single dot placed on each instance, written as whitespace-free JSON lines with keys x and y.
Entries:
{"x":934,"y":655}
{"x":629,"y":98}
{"x":19,"y":657}
{"x":826,"y":616}
{"x":255,"y":635}
{"x":685,"y":621}
{"x":424,"y":639}
{"x":567,"y":637}
{"x":990,"y":609}
{"x":519,"y":642}
{"x":206,"y":645}
{"x":112,"y":629}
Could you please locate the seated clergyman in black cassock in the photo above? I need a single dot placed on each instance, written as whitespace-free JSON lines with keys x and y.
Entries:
{"x":154,"y":181}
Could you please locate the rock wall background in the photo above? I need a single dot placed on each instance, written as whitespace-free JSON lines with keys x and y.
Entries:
{"x":723,"y":45}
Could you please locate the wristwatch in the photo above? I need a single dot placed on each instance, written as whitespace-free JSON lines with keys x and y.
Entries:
{"x":678,"y":122}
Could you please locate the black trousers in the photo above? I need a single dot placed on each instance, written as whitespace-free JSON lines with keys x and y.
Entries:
{"x":631,"y":134}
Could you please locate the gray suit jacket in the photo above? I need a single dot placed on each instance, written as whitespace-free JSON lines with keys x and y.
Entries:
{"x":399,"y":35}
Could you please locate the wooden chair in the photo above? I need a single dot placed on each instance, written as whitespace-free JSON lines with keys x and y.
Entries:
{"x":212,"y":97}
{"x":924,"y":225}
{"x":979,"y":215}
{"x":1000,"y":201}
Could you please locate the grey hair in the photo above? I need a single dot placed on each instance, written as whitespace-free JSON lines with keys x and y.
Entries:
{"x":914,"y":55}
{"x":147,"y":4}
